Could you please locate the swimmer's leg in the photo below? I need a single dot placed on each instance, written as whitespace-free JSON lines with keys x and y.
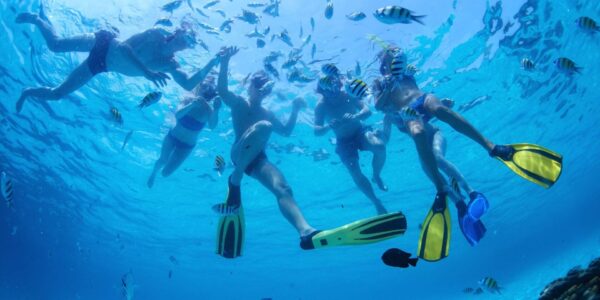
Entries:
{"x":439,"y":150}
{"x":81,"y":43}
{"x":167,"y":148}
{"x":420,"y":137}
{"x":250,"y":144}
{"x":363,"y":183}
{"x":178,"y":156}
{"x":377,"y":146}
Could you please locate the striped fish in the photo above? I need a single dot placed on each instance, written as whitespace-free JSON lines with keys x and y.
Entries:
{"x":7,"y":189}
{"x":468,"y":290}
{"x":587,"y":23}
{"x":566,"y":65}
{"x":116,"y":115}
{"x":398,"y":66}
{"x":454,"y":185}
{"x":478,"y":291}
{"x":394,"y":14}
{"x":527,"y":64}
{"x":490,"y":284}
{"x":409,"y":114}
{"x":225,"y":210}
{"x":356,"y":16}
{"x":220,"y":164}
{"x":150,"y":99}
{"x":357,"y":88}
{"x":330,"y":70}
{"x":411,"y":70}
{"x":329,"y":10}
{"x":326,"y":83}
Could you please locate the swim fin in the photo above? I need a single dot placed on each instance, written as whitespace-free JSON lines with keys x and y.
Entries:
{"x":366,"y":231}
{"x":434,"y":241}
{"x":532,"y":162}
{"x":473,"y":229}
{"x":231,"y":229}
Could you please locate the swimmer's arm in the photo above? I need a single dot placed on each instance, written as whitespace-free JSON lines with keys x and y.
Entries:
{"x":364,"y":112}
{"x":387,"y":128}
{"x":158,"y":78}
{"x":185,"y":110}
{"x":284,"y":129}
{"x":320,"y":128}
{"x":188,"y":83}
{"x":213,"y":119}
{"x":229,"y":98}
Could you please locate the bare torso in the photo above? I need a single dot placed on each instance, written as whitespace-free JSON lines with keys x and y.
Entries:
{"x":405,"y":92}
{"x":201,"y":111}
{"x":336,"y":108}
{"x":244,"y":115}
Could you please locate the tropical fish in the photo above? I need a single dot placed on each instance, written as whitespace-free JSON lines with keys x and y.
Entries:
{"x":255,"y":33}
{"x":587,"y":23}
{"x":150,"y":99}
{"x":127,"y":137}
{"x":220,"y":164}
{"x":173,"y":260}
{"x":249,"y":17}
{"x":330,"y":70}
{"x":356,"y":16}
{"x":329,"y":10}
{"x":490,"y":284}
{"x":271,"y":70}
{"x":273,"y":8}
{"x":257,"y":4}
{"x":313,"y":51}
{"x":411,"y":70}
{"x":226,"y":26}
{"x":171,"y":6}
{"x":203,"y":44}
{"x":357,"y":88}
{"x":566,"y":65}
{"x":116,"y":115}
{"x":260,"y":43}
{"x":210,"y":4}
{"x":285,"y":37}
{"x":394,"y":14}
{"x":225,"y":210}
{"x":478,"y":291}
{"x":164,"y":22}
{"x":398,"y":65}
{"x":6,"y":187}
{"x":312,"y":24}
{"x":395,"y":257}
{"x":267,"y":30}
{"x":220,"y":12}
{"x":200,"y":12}
{"x":357,"y":70}
{"x":409,"y":114}
{"x":306,"y":41}
{"x":527,"y":64}
{"x":468,"y":290}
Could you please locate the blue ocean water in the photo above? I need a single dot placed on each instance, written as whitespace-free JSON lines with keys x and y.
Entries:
{"x":83,"y":215}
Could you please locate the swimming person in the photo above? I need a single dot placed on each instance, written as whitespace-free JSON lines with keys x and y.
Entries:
{"x":146,"y":54}
{"x":400,"y":93}
{"x":474,"y":233}
{"x":193,"y":115}
{"x":345,"y":115}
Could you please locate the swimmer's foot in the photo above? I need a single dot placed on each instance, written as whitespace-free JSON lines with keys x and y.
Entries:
{"x":377,"y":180}
{"x":20,"y":102}
{"x":381,"y":210}
{"x":150,"y":182}
{"x":27,"y":18}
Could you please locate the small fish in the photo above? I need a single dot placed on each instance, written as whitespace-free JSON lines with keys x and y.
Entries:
{"x":587,"y":23}
{"x":357,"y":70}
{"x":260,"y":43}
{"x":7,"y":189}
{"x":271,"y":70}
{"x":306,"y":41}
{"x":225,"y":210}
{"x":356,"y":16}
{"x":226,"y":26}
{"x":566,"y":65}
{"x":312,"y":24}
{"x":213,"y":32}
{"x":170,"y":274}
{"x":490,"y":284}
{"x":398,"y":66}
{"x":394,"y":14}
{"x":273,"y":57}
{"x":468,"y":290}
{"x":395,"y":257}
{"x":267,"y":30}
{"x":164,"y":22}
{"x":206,"y":26}
{"x":203,"y":45}
{"x":249,"y":17}
{"x":527,"y":64}
{"x":301,"y":32}
{"x":222,"y":13}
{"x":411,"y":70}
{"x":171,"y":6}
{"x":210,"y":4}
{"x":357,"y":88}
{"x":173,"y":260}
{"x":220,"y":164}
{"x":329,"y":10}
{"x":150,"y":99}
{"x":313,"y":51}
{"x":200,"y":12}
{"x":285,"y":37}
{"x":116,"y":115}
{"x":127,"y":137}
{"x":330,"y":70}
{"x":256,"y":4}
{"x":255,"y":33}
{"x":272,"y":9}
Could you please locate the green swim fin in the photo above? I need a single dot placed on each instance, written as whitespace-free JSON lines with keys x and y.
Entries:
{"x":366,"y":231}
{"x":434,"y":241}
{"x":532,"y":162}
{"x":231,"y":229}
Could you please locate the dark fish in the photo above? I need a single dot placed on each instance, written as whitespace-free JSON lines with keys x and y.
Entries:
{"x":257,"y":4}
{"x":478,"y":291}
{"x":267,"y":30}
{"x":527,"y":64}
{"x":357,"y":70}
{"x":567,"y":65}
{"x":226,"y":26}
{"x":588,"y":24}
{"x":210,"y":4}
{"x":127,"y":137}
{"x":285,"y":37}
{"x":330,"y":70}
{"x":395,"y":257}
{"x":271,"y":70}
{"x":249,"y":17}
{"x":306,"y":41}
{"x":225,"y":210}
{"x":164,"y":22}
{"x":200,"y":12}
{"x":260,"y":43}
{"x":220,"y":164}
{"x":468,"y":290}
{"x":150,"y":99}
{"x":313,"y":51}
{"x":222,"y":13}
{"x":273,"y":8}
{"x":273,"y":57}
{"x":206,"y":26}
{"x":203,"y":44}
{"x":357,"y":88}
{"x":394,"y":14}
{"x":356,"y":16}
{"x":116,"y":115}
{"x":173,"y":260}
{"x":171,"y":6}
{"x":329,"y":10}
{"x":255,"y":33}
{"x":454,"y":185}
{"x":170,"y":274}
{"x":301,"y":32}
{"x":411,"y":70}
{"x":312,"y":24}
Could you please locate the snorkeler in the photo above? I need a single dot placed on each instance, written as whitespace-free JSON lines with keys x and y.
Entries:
{"x":345,"y":115}
{"x":194,"y":114}
{"x":474,"y":230}
{"x":146,"y":54}
{"x":396,"y":92}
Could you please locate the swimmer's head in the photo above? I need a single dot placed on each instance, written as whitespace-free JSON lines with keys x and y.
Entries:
{"x":329,"y":86}
{"x":207,"y":89}
{"x":386,"y":56}
{"x":260,"y":86}
{"x":183,"y":38}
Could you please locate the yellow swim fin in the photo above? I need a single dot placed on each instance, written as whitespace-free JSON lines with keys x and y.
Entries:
{"x":231,"y":229}
{"x":434,"y":241}
{"x":532,"y":162}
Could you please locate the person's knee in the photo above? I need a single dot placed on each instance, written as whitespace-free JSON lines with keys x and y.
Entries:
{"x":283,"y":190}
{"x":418,"y":133}
{"x":263,"y":127}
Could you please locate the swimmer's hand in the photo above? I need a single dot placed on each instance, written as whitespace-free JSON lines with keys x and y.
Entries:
{"x":217,"y":103}
{"x":227,"y":52}
{"x":299,"y":103}
{"x":159,"y":78}
{"x":335,"y":123}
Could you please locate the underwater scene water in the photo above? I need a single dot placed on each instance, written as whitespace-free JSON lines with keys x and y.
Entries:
{"x":83,"y":224}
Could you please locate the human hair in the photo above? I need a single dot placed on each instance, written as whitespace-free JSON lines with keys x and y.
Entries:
{"x":259,"y":79}
{"x":207,"y":89}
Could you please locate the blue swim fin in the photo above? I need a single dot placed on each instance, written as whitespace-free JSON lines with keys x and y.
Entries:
{"x":472,"y":229}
